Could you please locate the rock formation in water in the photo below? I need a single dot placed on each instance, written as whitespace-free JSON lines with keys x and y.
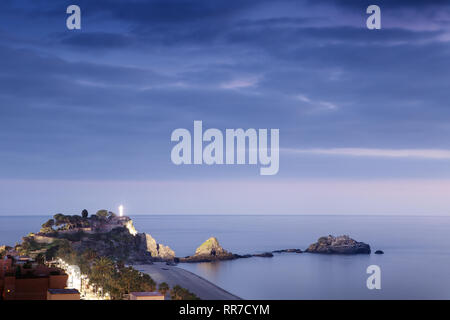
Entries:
{"x":338,"y":245}
{"x":210,"y":250}
{"x":263,"y":255}
{"x":288,"y":250}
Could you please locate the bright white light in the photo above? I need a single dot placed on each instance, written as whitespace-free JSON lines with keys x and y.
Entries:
{"x":121,"y":210}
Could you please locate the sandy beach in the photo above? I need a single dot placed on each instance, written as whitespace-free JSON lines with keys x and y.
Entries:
{"x":204,"y":289}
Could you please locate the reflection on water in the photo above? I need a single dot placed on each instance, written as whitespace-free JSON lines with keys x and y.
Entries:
{"x":211,"y":269}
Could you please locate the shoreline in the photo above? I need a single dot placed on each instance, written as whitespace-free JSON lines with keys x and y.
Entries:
{"x":172,"y":275}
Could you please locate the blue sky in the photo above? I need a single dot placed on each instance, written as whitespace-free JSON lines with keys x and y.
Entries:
{"x":86,"y":115}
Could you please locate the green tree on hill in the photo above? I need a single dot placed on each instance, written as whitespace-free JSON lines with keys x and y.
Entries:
{"x":47,"y":227}
{"x":84,"y":213}
{"x":59,"y":219}
{"x":102,"y":213}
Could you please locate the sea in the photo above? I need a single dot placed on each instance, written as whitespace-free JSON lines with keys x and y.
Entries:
{"x":415,"y":263}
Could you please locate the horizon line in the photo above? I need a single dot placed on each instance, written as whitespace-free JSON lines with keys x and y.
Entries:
{"x":248,"y":214}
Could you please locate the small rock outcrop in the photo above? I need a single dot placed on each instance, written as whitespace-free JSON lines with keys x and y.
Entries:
{"x":338,"y":245}
{"x":288,"y":250}
{"x":263,"y":255}
{"x":379,"y":252}
{"x":210,"y":250}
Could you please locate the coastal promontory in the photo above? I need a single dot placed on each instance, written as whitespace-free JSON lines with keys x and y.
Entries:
{"x":106,"y":233}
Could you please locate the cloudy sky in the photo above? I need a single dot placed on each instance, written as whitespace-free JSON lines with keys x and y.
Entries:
{"x":86,"y":115}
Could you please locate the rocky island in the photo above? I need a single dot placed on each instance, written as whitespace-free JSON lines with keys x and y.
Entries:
{"x":208,"y":251}
{"x":338,"y":245}
{"x":211,"y":250}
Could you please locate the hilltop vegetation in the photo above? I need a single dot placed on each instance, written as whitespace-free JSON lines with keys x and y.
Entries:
{"x":61,"y":222}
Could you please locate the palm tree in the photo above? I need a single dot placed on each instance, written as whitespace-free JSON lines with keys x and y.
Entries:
{"x":148,"y":283}
{"x":90,"y":254}
{"x":103,"y":270}
{"x":163,"y":288}
{"x":176,"y":293}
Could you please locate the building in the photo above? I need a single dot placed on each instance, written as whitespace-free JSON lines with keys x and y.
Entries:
{"x":23,"y":279}
{"x":63,"y":294}
{"x":5,"y":266}
{"x":146,"y":296}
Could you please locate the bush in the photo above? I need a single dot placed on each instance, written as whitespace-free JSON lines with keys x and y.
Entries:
{"x":102,"y":213}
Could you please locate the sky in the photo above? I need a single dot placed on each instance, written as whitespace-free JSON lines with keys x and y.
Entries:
{"x":87,"y":115}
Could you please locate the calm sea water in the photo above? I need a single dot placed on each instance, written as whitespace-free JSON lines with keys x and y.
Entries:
{"x":416,"y":263}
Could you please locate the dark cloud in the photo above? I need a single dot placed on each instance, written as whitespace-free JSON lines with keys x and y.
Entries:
{"x":139,"y":69}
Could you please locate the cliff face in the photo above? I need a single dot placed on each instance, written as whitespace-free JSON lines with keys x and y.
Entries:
{"x":139,"y":246}
{"x":340,"y":245}
{"x":119,"y":243}
{"x":130,"y":227}
{"x":156,"y":250}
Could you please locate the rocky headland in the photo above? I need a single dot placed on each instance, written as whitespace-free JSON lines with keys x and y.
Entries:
{"x":338,"y":245}
{"x":105,"y":233}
